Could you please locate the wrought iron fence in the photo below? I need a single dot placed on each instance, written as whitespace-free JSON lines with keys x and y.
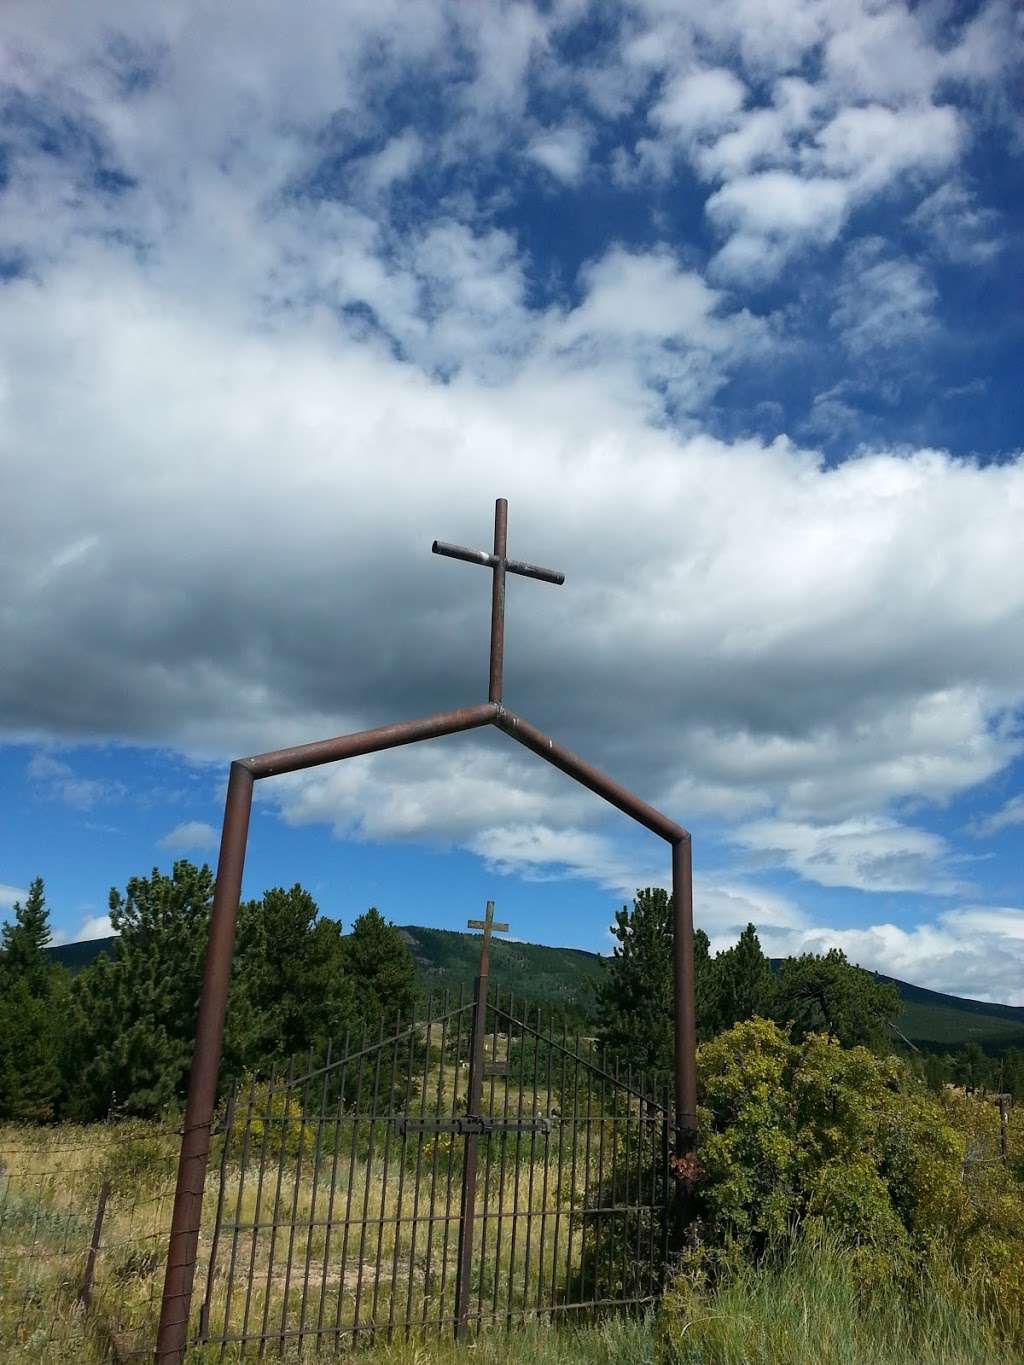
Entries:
{"x":470,"y":1167}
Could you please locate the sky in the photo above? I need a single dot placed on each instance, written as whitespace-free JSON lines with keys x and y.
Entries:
{"x":724,"y":299}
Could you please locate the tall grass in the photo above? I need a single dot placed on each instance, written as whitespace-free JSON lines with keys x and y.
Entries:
{"x":810,"y":1310}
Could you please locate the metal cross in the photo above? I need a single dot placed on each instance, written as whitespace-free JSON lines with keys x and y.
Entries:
{"x":500,"y":564}
{"x":488,"y":925}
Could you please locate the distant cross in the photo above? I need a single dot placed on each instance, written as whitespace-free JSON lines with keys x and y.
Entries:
{"x":500,"y":564}
{"x":488,"y":925}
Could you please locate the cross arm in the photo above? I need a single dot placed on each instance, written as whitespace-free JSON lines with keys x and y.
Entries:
{"x":441,"y":547}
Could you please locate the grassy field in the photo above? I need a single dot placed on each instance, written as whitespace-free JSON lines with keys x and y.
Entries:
{"x":337,"y":1226}
{"x":808,"y":1310}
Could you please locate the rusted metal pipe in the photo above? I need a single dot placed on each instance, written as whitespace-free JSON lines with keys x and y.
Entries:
{"x":172,"y":1334}
{"x":368,"y":741}
{"x":498,"y":600}
{"x":589,"y":776}
{"x":519,"y":566}
{"x":685,"y":1006}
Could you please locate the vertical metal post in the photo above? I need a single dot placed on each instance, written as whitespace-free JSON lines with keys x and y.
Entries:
{"x":85,"y":1293}
{"x":467,"y":1210}
{"x":685,"y":1007}
{"x":172,"y":1334}
{"x":498,"y":599}
{"x":211,"y":1270}
{"x":1002,"y":1128}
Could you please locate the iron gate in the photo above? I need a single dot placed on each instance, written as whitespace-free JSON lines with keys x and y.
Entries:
{"x":471,"y":1167}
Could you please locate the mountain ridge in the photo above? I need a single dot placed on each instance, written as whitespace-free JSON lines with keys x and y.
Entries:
{"x":447,"y":959}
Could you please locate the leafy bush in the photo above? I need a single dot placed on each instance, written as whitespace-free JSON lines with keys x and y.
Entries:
{"x":813,"y":1143}
{"x":813,"y":1133}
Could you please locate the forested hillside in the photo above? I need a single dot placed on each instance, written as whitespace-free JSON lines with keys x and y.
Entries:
{"x":446,"y":959}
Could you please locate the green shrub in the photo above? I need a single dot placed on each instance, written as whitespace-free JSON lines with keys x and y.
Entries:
{"x":812,"y":1134}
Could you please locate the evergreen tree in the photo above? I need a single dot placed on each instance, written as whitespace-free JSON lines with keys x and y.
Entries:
{"x":935,"y":1069}
{"x":135,"y":1015}
{"x":33,"y":1012}
{"x":292,"y":988}
{"x":811,"y":994}
{"x":381,"y":968}
{"x":741,"y":981}
{"x":1013,"y":1074}
{"x":635,"y":1006}
{"x":23,"y":944}
{"x":972,"y":1068}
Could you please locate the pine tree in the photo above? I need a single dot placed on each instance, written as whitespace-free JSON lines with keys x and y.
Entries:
{"x":136,"y":1014}
{"x":33,"y":1012}
{"x":23,"y":944}
{"x":635,"y":1006}
{"x":811,"y":994}
{"x":381,"y":969}
{"x":292,"y":989}
{"x":742,"y":977}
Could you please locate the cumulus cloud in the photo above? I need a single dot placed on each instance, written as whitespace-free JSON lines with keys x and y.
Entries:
{"x":871,"y":853}
{"x":562,"y":151}
{"x":698,"y":102}
{"x":976,"y":951}
{"x":192,"y":834}
{"x":95,"y":926}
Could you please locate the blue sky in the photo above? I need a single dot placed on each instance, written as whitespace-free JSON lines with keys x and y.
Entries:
{"x":725,"y":300}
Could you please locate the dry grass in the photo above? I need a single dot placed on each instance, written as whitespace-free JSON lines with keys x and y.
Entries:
{"x":365,"y":1251}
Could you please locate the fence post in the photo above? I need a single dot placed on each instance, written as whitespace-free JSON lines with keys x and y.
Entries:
{"x":85,"y":1293}
{"x":1002,"y":1127}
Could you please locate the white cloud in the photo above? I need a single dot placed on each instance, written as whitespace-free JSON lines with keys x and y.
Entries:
{"x":562,"y":151}
{"x":97,"y":926}
{"x":192,"y":834}
{"x":539,"y":853}
{"x":772,"y":214}
{"x":957,"y":226}
{"x":872,"y":145}
{"x":883,"y":301}
{"x":397,"y":160}
{"x":699,"y":102}
{"x":871,"y":853}
{"x":977,"y":951}
{"x":54,"y":780}
{"x":1008,"y":815}
{"x":10,"y":894}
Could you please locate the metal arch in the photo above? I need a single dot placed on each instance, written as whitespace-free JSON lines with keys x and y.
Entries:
{"x":244,"y":773}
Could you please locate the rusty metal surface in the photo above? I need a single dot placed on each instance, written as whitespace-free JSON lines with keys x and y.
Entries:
{"x":685,"y":1012}
{"x":588,"y":775}
{"x":368,"y":741}
{"x":494,"y":682}
{"x":489,"y":561}
{"x":202,"y":1088}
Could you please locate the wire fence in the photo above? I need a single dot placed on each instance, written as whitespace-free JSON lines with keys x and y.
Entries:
{"x":84,"y":1218}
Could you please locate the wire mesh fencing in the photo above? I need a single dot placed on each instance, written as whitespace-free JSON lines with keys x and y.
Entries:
{"x":84,"y":1214}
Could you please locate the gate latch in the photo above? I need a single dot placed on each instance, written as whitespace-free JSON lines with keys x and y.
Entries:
{"x":474,"y":1125}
